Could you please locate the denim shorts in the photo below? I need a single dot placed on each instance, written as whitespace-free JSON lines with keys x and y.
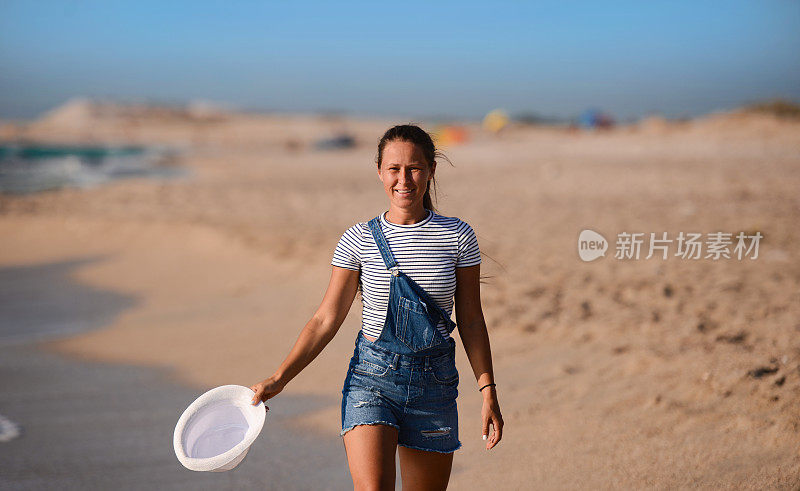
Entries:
{"x":415,"y":394}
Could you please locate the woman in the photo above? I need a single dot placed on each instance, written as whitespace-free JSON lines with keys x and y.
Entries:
{"x":411,"y":265}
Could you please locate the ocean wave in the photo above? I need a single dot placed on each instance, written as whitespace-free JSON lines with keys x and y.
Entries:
{"x":33,"y":168}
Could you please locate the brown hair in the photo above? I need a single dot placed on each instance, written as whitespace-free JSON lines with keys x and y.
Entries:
{"x":414,"y":134}
{"x":419,"y":137}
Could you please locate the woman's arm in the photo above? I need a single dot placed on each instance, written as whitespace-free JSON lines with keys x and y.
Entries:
{"x":472,"y":329}
{"x":317,"y":333}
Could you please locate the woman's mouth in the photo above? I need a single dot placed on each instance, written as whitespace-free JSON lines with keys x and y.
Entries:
{"x":404,"y":192}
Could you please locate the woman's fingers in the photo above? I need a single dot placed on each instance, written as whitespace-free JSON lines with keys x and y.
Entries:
{"x":485,"y":428}
{"x":498,"y":432}
{"x":259,"y":393}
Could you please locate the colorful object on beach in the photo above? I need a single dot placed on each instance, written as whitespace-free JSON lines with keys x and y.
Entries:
{"x":594,"y":118}
{"x":215,"y":432}
{"x":339,"y":142}
{"x":495,"y":121}
{"x":450,"y":135}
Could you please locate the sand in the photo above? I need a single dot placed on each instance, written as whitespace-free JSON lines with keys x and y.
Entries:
{"x":614,"y":373}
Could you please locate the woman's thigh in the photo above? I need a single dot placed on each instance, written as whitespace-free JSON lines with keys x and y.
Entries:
{"x":423,"y":470}
{"x":370,"y":456}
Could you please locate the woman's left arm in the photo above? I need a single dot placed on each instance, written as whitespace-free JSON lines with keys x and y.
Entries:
{"x":472,"y":329}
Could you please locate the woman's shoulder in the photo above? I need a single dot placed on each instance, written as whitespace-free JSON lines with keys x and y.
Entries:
{"x":357,"y":226}
{"x":453,"y":223}
{"x":357,"y":229}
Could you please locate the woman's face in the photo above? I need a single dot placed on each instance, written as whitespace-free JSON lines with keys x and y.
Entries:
{"x":405,"y":174}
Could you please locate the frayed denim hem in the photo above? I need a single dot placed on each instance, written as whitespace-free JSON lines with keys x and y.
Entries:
{"x":430,"y":449}
{"x":370,"y":423}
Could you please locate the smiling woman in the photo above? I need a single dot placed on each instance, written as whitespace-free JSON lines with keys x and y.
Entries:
{"x":406,"y":163}
{"x":414,"y":267}
{"x":405,"y":177}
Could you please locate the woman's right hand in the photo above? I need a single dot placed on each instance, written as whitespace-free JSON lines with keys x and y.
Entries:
{"x":266,"y":389}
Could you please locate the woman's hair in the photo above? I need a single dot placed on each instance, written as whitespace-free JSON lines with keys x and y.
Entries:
{"x":419,"y":137}
{"x":414,"y":134}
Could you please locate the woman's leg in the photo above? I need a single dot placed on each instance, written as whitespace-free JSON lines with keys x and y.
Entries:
{"x":370,"y":455}
{"x":423,"y":470}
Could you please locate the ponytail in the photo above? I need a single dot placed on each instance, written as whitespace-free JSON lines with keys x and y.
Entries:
{"x":427,"y":203}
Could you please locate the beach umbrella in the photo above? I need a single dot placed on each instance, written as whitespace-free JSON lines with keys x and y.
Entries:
{"x":495,"y":121}
{"x":450,"y":135}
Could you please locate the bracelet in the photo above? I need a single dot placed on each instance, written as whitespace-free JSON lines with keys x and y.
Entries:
{"x":487,"y":385}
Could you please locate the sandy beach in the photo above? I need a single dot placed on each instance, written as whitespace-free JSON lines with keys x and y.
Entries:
{"x":616,"y":373}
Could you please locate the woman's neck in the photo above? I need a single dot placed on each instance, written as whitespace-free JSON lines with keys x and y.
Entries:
{"x":401,"y":216}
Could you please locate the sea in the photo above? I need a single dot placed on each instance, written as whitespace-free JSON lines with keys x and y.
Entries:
{"x":30,"y":168}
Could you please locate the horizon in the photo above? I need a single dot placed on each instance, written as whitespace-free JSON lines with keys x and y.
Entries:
{"x":223,"y":106}
{"x":442,"y":61}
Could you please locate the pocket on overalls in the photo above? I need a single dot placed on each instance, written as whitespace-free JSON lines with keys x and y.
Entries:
{"x":368,"y":363}
{"x":414,"y":327}
{"x":445,"y":373}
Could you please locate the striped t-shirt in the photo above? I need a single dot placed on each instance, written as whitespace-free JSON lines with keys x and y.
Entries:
{"x":427,"y":251}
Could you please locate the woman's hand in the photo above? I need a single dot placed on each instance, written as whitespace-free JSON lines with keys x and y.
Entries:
{"x":490,"y":414}
{"x":266,"y":389}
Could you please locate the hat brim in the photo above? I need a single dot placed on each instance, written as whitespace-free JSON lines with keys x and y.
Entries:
{"x":230,"y":395}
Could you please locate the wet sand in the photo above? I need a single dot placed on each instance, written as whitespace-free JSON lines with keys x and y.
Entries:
{"x":40,"y":301}
{"x":98,"y":426}
{"x":638,"y":373}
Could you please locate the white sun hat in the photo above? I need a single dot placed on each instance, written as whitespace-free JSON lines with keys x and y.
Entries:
{"x":215,"y":432}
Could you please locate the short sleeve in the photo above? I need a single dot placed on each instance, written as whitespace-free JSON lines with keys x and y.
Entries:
{"x":468,"y":252}
{"x":348,"y":250}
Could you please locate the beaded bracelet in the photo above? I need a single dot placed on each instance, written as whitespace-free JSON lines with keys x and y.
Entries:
{"x":487,"y":385}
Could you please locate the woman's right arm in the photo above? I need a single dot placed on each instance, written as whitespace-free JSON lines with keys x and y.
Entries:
{"x":317,"y":333}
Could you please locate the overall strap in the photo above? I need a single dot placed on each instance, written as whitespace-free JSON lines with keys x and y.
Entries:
{"x":434,"y":310}
{"x":383,"y":247}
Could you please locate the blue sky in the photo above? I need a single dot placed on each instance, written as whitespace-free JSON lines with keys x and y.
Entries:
{"x":415,"y":59}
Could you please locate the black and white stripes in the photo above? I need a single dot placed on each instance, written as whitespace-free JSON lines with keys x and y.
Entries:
{"x":428,"y":252}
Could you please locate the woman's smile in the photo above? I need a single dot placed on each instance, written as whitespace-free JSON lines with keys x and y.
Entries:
{"x":405,"y":174}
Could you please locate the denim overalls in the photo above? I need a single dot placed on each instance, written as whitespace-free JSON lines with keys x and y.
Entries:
{"x":407,"y":377}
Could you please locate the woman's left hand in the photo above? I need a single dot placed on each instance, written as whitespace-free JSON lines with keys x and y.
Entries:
{"x":490,"y":414}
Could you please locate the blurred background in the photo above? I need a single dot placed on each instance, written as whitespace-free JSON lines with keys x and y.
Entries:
{"x":174,"y":178}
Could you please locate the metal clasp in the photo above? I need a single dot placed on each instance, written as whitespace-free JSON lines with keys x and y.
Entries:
{"x":395,"y":271}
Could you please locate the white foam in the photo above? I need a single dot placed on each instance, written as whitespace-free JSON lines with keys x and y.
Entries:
{"x":9,"y":430}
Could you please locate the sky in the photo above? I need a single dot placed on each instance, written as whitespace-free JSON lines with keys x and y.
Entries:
{"x":416,"y":59}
